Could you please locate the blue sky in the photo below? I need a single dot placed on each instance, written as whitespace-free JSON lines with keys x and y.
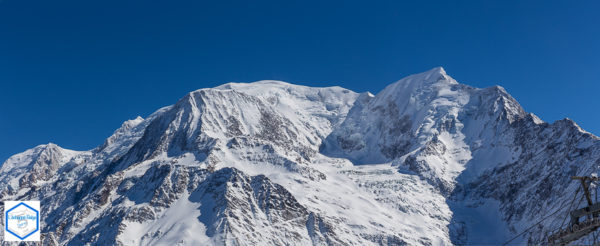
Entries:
{"x":72,"y":71}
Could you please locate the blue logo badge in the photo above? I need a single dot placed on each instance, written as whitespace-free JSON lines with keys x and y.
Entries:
{"x":22,"y":221}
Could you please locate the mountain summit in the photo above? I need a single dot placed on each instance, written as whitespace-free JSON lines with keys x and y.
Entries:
{"x":426,"y":161}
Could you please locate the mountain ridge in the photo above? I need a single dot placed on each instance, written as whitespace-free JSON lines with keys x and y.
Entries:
{"x":418,"y":163}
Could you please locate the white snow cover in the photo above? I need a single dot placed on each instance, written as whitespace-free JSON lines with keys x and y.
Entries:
{"x":426,"y":161}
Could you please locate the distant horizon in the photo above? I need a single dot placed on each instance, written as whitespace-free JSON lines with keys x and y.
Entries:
{"x":73,"y":71}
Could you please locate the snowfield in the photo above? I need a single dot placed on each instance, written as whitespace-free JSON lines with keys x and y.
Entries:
{"x":426,"y":161}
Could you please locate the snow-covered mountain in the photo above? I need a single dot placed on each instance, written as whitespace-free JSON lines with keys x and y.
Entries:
{"x":426,"y":161}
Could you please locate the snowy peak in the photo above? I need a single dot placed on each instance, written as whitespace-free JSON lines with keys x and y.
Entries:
{"x":428,"y":80}
{"x":290,"y":119}
{"x":46,"y":153}
{"x":426,"y":123}
{"x":434,"y":74}
{"x":502,"y":101}
{"x":35,"y":166}
{"x":123,"y":138}
{"x":383,"y":127}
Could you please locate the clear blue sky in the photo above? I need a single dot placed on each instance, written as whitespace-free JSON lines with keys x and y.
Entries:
{"x":72,"y":71}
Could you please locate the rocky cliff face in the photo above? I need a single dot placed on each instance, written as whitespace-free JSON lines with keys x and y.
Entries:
{"x":427,"y":161}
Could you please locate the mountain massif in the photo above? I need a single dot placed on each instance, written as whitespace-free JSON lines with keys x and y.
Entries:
{"x":426,"y":161}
